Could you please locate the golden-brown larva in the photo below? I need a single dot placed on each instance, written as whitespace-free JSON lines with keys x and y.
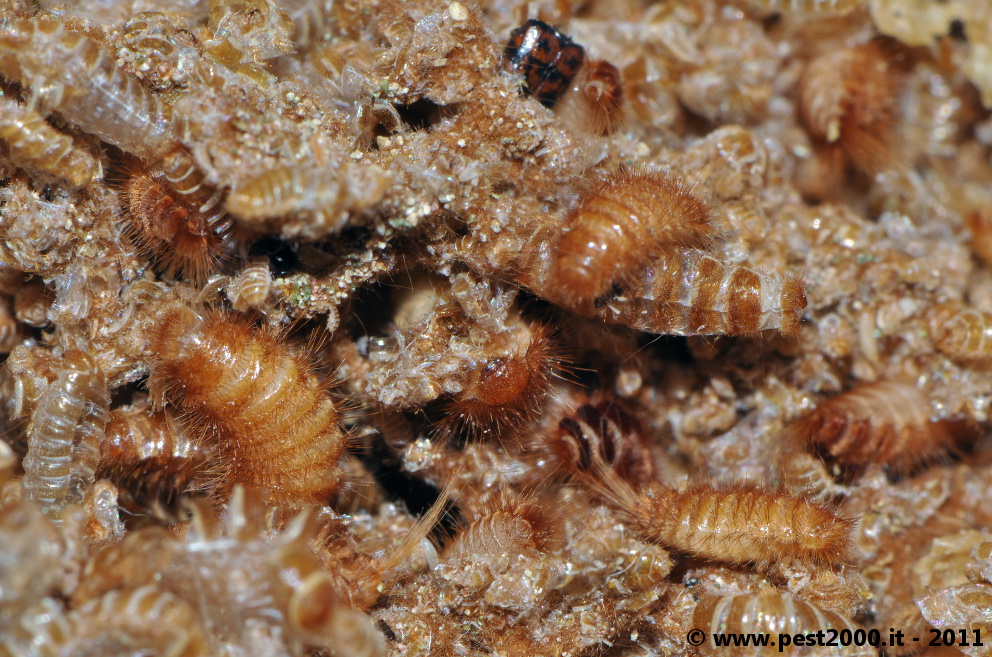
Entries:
{"x":736,"y":523}
{"x":850,"y":97}
{"x":692,"y":293}
{"x":619,"y":224}
{"x":153,"y":459}
{"x":506,"y":390}
{"x":886,"y":422}
{"x":325,"y":195}
{"x":73,"y":74}
{"x":511,"y":526}
{"x":775,"y":613}
{"x":178,"y":235}
{"x":64,"y":434}
{"x":254,"y":398}
{"x":35,"y":144}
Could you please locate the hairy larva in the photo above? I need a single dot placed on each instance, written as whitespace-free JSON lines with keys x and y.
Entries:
{"x":507,"y":389}
{"x":186,"y":180}
{"x":546,"y":58}
{"x":35,"y":144}
{"x":32,"y":302}
{"x":692,"y":293}
{"x":619,"y":224}
{"x":325,"y":195}
{"x":775,"y":613}
{"x":133,"y":621}
{"x":75,"y":75}
{"x":850,"y":97}
{"x":738,"y":523}
{"x":809,"y":7}
{"x":178,"y":235}
{"x":250,"y":289}
{"x":602,"y":432}
{"x":64,"y":434}
{"x":254,"y":398}
{"x":962,"y":333}
{"x":595,"y":102}
{"x":886,"y":422}
{"x":153,"y":459}
{"x":508,"y":526}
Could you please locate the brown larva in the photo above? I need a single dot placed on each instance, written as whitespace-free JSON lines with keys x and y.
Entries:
{"x":32,"y":303}
{"x":507,"y":389}
{"x":886,"y":422}
{"x":692,"y":293}
{"x":963,"y":333}
{"x":770,"y":612}
{"x":619,"y":224}
{"x":73,"y":74}
{"x":258,"y":401}
{"x":178,"y":235}
{"x":508,"y":526}
{"x":850,"y":97}
{"x":602,"y":432}
{"x":153,"y":459}
{"x":737,"y":523}
{"x":34,"y":143}
{"x":64,"y":435}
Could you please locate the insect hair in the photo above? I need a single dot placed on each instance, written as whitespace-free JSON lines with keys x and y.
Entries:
{"x":769,"y":612}
{"x":620,"y":224}
{"x":886,"y":422}
{"x":51,"y":61}
{"x":689,"y":292}
{"x":36,"y":145}
{"x":252,"y":396}
{"x":64,"y":434}
{"x":734,"y":522}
